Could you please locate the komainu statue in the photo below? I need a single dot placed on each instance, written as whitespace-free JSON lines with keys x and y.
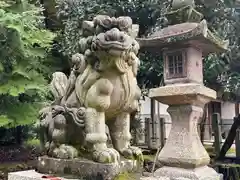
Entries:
{"x":101,"y":90}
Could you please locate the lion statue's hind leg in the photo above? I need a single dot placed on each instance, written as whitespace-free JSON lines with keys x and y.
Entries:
{"x":120,"y":135}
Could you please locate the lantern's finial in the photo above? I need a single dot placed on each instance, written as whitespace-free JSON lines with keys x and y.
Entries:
{"x":177,"y":4}
{"x":183,"y":11}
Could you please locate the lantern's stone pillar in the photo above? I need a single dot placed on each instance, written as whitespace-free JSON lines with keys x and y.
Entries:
{"x":184,"y":148}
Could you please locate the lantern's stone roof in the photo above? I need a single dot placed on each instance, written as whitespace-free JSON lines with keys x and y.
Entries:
{"x":189,"y":34}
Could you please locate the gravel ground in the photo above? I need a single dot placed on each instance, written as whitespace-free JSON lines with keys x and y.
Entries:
{"x":16,"y":158}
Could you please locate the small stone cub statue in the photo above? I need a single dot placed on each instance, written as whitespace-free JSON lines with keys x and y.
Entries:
{"x":101,"y":90}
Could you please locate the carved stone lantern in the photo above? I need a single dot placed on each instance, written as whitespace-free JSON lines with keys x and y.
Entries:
{"x":183,"y":44}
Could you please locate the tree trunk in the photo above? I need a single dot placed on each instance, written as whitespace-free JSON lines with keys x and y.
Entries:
{"x":50,"y":13}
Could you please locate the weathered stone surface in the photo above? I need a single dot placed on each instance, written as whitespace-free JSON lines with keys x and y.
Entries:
{"x":171,"y":173}
{"x":183,"y":151}
{"x":192,"y":66}
{"x":154,"y":178}
{"x":101,"y":90}
{"x":84,"y":168}
{"x":201,"y":173}
{"x":176,"y":94}
{"x":186,"y":28}
{"x":30,"y":175}
{"x":183,"y":148}
{"x":185,"y":34}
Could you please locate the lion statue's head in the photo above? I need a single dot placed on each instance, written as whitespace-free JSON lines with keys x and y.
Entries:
{"x":110,"y":43}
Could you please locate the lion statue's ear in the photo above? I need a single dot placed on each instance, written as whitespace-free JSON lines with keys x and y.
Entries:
{"x":79,"y":62}
{"x":88,"y":28}
{"x":58,"y":85}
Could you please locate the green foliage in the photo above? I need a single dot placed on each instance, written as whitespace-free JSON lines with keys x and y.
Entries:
{"x":24,"y":49}
{"x":222,"y":72}
{"x":32,"y":142}
{"x":151,"y":70}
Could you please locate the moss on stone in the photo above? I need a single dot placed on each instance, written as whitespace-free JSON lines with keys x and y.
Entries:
{"x":125,"y":176}
{"x":149,"y":157}
{"x":84,"y":153}
{"x":108,"y":160}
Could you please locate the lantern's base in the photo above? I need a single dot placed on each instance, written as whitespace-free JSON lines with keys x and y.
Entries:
{"x":201,"y":173}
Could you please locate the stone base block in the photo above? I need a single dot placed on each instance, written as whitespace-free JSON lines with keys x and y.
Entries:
{"x":172,"y":173}
{"x":154,"y":178}
{"x":29,"y":175}
{"x":82,"y":168}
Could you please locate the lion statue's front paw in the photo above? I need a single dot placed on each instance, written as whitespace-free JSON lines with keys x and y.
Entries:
{"x":108,"y":155}
{"x":65,"y":152}
{"x":132,"y":152}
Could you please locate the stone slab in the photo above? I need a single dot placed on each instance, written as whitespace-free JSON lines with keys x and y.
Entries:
{"x":201,"y":173}
{"x":85,"y":168}
{"x":29,"y":175}
{"x":188,"y":93}
{"x":154,"y":178}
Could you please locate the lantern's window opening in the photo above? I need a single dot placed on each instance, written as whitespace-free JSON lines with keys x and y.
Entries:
{"x":175,"y":64}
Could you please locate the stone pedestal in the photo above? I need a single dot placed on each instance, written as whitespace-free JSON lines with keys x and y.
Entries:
{"x":172,"y":173}
{"x":31,"y":175}
{"x":85,"y":168}
{"x":201,"y":173}
{"x":183,"y":156}
{"x":74,"y":169}
{"x":183,"y":147}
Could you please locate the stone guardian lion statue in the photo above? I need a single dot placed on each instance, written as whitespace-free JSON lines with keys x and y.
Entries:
{"x":101,"y":90}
